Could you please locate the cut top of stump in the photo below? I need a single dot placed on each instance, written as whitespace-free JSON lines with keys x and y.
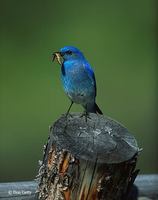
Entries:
{"x":99,"y":138}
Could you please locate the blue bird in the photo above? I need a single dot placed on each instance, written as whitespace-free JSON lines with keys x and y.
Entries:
{"x":78,"y":78}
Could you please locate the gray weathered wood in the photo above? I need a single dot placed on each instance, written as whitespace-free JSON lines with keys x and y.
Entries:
{"x":147,"y":185}
{"x":100,"y":137}
{"x":88,"y":159}
{"x":18,"y":190}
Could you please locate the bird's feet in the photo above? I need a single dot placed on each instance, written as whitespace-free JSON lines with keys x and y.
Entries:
{"x":86,"y":115}
{"x":68,"y":114}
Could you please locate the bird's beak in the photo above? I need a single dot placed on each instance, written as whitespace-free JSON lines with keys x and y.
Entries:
{"x":58,"y":57}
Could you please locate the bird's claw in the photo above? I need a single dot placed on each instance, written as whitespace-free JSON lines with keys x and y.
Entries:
{"x":86,"y":115}
{"x":68,"y":114}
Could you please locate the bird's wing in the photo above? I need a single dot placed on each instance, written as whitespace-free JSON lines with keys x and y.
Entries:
{"x":91,"y":75}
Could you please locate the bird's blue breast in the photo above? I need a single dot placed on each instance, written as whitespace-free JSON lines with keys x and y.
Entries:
{"x":78,"y":84}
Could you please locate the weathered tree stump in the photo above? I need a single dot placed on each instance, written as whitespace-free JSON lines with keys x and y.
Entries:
{"x":93,"y":160}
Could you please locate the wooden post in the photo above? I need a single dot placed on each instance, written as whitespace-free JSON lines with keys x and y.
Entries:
{"x":93,"y":160}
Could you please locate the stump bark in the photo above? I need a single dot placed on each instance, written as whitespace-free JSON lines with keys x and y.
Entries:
{"x":93,"y":160}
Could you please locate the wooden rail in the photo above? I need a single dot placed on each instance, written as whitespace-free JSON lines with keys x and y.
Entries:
{"x":147,"y":186}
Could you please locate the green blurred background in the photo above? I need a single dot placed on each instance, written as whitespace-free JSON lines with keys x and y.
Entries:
{"x":118,"y":39}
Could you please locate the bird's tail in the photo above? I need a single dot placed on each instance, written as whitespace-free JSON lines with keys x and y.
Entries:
{"x":93,"y":108}
{"x":97,"y":109}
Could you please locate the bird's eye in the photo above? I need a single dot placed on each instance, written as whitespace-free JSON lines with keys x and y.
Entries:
{"x":69,"y":52}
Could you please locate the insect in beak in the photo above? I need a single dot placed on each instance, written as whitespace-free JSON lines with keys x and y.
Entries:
{"x":58,"y":57}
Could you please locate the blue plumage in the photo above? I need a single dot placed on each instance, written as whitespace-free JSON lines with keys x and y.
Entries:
{"x":78,"y":79}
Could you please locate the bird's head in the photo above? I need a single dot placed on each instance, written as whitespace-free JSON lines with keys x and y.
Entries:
{"x":68,"y":53}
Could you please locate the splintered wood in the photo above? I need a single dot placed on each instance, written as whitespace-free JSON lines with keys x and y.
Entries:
{"x":56,"y":182}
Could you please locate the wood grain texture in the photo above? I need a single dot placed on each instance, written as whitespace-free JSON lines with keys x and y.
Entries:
{"x":100,"y":137}
{"x":86,"y":160}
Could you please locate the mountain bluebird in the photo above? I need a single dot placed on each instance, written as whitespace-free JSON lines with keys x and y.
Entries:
{"x":78,"y":78}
